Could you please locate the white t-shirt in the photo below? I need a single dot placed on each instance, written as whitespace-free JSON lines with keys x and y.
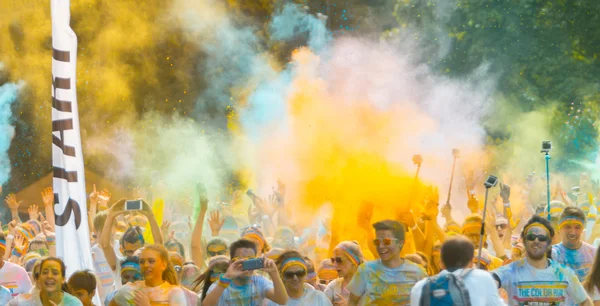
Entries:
{"x":479,"y":283}
{"x":104,"y":274}
{"x":378,"y":285}
{"x":334,"y":288}
{"x":14,"y":278}
{"x":310,"y":297}
{"x":33,"y":299}
{"x":555,"y":285}
{"x":251,"y":294}
{"x":580,"y":260}
{"x":165,"y":294}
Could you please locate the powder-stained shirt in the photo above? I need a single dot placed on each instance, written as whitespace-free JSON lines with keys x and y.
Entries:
{"x":33,"y":299}
{"x":310,"y":297}
{"x":334,"y":288}
{"x":580,"y":260}
{"x":251,"y":294}
{"x":378,"y":285}
{"x":14,"y":278}
{"x":165,"y":294}
{"x":103,"y":272}
{"x":556,"y":285}
{"x":5,"y":295}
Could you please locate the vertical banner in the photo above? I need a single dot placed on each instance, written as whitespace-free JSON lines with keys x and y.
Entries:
{"x":70,"y":208}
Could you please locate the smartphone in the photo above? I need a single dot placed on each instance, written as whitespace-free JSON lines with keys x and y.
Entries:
{"x":253,"y":264}
{"x":576,"y":189}
{"x":491,"y":181}
{"x":133,"y":205}
{"x":250,"y":193}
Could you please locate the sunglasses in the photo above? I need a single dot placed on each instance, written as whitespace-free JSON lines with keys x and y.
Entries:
{"x":336,"y":259}
{"x":386,"y":241}
{"x":323,"y":281}
{"x":213,"y":254}
{"x":541,"y":238}
{"x":298,"y":274}
{"x":502,"y":226}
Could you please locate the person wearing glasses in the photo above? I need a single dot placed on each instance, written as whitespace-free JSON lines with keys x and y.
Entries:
{"x":347,"y":256}
{"x":245,"y":288}
{"x":177,"y":263}
{"x":536,"y":279}
{"x":389,"y":279}
{"x":572,"y":251}
{"x":293,"y":270}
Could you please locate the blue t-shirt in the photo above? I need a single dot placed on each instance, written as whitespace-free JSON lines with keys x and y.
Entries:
{"x":580,"y":260}
{"x":5,"y":295}
{"x":377,"y":284}
{"x":251,"y":294}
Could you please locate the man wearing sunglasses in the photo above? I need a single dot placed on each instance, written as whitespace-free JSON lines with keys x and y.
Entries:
{"x":535,"y":279}
{"x":572,"y":251}
{"x":388,"y":280}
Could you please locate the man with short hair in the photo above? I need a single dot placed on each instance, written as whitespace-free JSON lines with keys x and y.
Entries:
{"x":572,"y":251}
{"x":457,"y":257}
{"x":239,"y":288}
{"x":389,"y":279}
{"x":535,"y":279}
{"x":83,"y":284}
{"x":132,"y":240}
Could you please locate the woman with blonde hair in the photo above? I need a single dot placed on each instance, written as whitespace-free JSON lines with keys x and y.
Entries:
{"x":160,"y":284}
{"x":347,"y":256}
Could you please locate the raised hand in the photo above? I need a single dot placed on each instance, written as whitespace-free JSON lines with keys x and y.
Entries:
{"x":94,"y":196}
{"x":446,"y":211}
{"x":20,"y":243}
{"x":11,"y":202}
{"x":12,"y":225}
{"x":33,"y":211}
{"x":235,"y":269}
{"x":473,"y":204}
{"x":269,"y":266}
{"x":216,"y":221}
{"x":164,"y":228}
{"x":48,"y":196}
{"x":505,"y":193}
{"x":103,"y":197}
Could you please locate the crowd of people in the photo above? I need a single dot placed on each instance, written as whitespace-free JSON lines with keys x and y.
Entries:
{"x":538,"y":258}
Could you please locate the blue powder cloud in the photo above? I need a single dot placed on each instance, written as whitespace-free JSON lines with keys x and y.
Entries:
{"x":8,"y":95}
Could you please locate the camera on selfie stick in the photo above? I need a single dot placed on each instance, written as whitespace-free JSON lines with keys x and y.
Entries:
{"x":546,"y":147}
{"x":491,"y":181}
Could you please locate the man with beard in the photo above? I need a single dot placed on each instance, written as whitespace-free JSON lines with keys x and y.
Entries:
{"x":572,"y":251}
{"x":535,"y":279}
{"x":388,"y":280}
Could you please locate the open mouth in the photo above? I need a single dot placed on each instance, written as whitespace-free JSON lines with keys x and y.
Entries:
{"x":50,"y":283}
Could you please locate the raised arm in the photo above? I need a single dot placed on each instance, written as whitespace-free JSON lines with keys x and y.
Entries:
{"x":197,"y":252}
{"x":13,"y":205}
{"x":48,"y":199}
{"x":109,"y":252}
{"x":156,"y":234}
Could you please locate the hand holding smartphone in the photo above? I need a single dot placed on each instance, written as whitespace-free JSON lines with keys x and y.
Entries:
{"x":133,"y":205}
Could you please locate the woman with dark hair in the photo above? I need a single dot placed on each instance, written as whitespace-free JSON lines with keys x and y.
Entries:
{"x":592,"y":281}
{"x":293,"y":269}
{"x":53,"y":288}
{"x":160,"y":285}
{"x":217,"y":266}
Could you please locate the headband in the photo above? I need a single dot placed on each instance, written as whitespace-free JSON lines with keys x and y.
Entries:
{"x":291,"y":262}
{"x":327,"y":274}
{"x":350,"y":254}
{"x":569,"y":220}
{"x":3,"y":244}
{"x":25,"y":233}
{"x":255,"y":236}
{"x":556,"y":210}
{"x":535,"y":224}
{"x":130,"y":266}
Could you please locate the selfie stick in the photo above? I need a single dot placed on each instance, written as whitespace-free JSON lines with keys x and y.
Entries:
{"x":548,"y":181}
{"x":451,"y":179}
{"x":487,"y":189}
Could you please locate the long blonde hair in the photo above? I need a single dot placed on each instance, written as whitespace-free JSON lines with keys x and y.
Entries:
{"x":169,"y":275}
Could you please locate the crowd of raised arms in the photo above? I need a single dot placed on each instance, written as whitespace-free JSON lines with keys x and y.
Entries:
{"x":544,"y":257}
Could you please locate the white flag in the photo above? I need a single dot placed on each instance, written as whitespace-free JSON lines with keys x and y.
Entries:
{"x":70,"y":208}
